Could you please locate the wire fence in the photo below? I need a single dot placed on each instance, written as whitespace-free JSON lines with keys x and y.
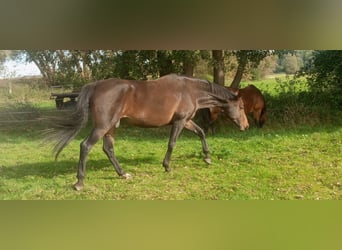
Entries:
{"x":21,"y":117}
{"x":40,"y":116}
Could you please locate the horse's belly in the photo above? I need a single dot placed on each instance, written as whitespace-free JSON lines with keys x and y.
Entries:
{"x":145,"y":120}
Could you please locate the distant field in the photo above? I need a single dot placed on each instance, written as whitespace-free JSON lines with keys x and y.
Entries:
{"x":273,"y":84}
{"x":292,"y":157}
{"x":23,"y":93}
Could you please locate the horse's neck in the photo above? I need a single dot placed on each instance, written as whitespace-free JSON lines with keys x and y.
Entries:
{"x":210,"y":97}
{"x":217,"y":90}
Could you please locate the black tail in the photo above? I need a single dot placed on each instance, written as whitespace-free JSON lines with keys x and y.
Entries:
{"x":64,"y":129}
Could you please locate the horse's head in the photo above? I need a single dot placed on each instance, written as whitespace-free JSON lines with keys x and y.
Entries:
{"x":236,"y":113}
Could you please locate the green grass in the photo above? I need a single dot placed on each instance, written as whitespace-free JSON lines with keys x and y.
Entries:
{"x":279,"y":84}
{"x":297,"y":155}
{"x":296,"y":163}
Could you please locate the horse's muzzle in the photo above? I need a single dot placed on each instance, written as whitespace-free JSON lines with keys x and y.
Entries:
{"x":243,"y":128}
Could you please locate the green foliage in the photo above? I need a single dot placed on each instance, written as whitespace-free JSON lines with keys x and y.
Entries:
{"x":134,"y":64}
{"x":291,"y":64}
{"x":2,"y":59}
{"x":324,"y":75}
{"x":266,"y":67}
{"x":292,"y":61}
{"x":26,"y":93}
{"x":81,"y":66}
{"x":78,"y":67}
{"x":257,"y":64}
{"x":252,"y":56}
{"x":293,"y":104}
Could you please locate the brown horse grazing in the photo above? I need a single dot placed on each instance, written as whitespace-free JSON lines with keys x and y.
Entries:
{"x":170,"y":100}
{"x":254,"y":103}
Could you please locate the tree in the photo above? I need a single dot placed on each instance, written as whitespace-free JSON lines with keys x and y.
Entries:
{"x":179,"y":61}
{"x":291,"y":64}
{"x":81,"y":66}
{"x":3,"y":56}
{"x":218,"y":65}
{"x":71,"y":66}
{"x":324,"y":76}
{"x":266,"y":67}
{"x":244,"y":57}
{"x":46,"y":61}
{"x":325,"y":71}
{"x":164,"y":60}
{"x":304,"y":57}
{"x":185,"y":61}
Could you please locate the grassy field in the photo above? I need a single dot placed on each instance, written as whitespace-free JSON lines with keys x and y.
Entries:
{"x":300,"y":159}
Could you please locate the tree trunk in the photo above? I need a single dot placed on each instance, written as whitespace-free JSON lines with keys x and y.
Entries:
{"x":164,"y":62}
{"x":45,"y":70}
{"x":218,"y":66}
{"x":188,"y":69}
{"x":242,"y":59}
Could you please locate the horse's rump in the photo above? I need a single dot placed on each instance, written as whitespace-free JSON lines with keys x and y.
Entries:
{"x":252,"y":98}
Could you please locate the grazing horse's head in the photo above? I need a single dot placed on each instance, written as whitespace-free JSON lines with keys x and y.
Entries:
{"x":235,"y":111}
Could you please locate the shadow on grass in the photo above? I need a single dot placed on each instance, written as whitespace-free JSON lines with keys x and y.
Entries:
{"x":51,"y":169}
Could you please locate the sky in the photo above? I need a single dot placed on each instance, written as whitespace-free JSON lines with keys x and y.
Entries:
{"x":17,"y":69}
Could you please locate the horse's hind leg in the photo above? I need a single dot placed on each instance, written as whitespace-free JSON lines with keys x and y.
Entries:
{"x":85,"y":147}
{"x":257,"y":115}
{"x":190,"y":125}
{"x":108,"y":148}
{"x":176,"y":129}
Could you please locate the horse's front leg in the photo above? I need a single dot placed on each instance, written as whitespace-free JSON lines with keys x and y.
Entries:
{"x":190,"y":125}
{"x":176,"y":129}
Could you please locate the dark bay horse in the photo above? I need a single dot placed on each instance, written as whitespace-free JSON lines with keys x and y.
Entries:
{"x":254,"y":103}
{"x":170,"y":100}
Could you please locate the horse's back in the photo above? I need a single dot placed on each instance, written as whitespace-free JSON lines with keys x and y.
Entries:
{"x":151,"y":103}
{"x":251,"y":91}
{"x":252,"y":97}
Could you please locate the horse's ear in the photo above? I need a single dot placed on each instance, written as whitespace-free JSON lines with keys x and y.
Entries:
{"x":234,"y":91}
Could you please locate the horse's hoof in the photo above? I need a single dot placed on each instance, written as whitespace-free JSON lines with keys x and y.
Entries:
{"x":78,"y":187}
{"x":207,"y":160}
{"x":127,"y":176}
